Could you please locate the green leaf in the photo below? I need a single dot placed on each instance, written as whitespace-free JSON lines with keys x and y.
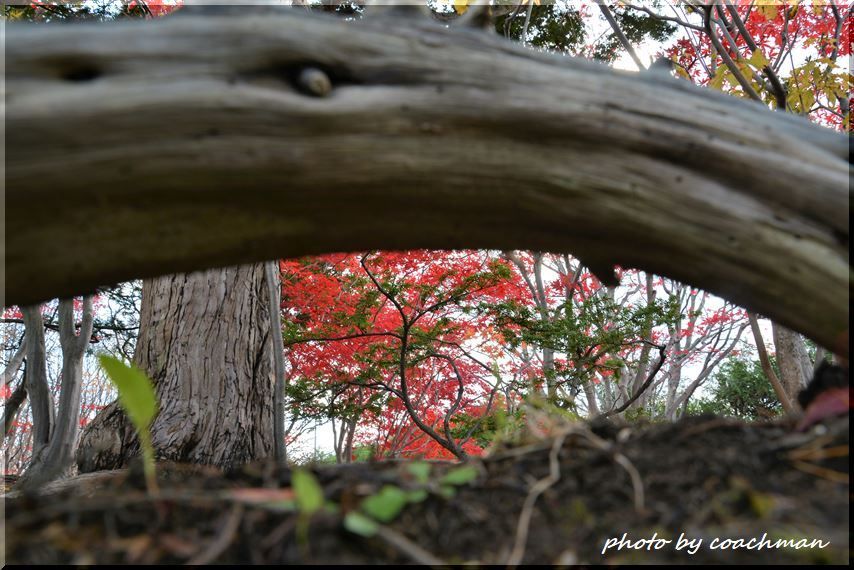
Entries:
{"x":386,"y":504}
{"x":417,"y":496}
{"x":460,"y":475}
{"x":357,"y":523}
{"x":420,"y":470}
{"x":309,"y":493}
{"x":136,"y":393}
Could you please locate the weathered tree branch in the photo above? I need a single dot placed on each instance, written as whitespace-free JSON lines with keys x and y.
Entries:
{"x":187,"y":143}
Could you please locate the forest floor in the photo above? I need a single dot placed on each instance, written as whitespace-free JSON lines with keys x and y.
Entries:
{"x":557,"y":500}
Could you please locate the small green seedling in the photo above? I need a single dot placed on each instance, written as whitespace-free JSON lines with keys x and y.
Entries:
{"x":307,"y":491}
{"x":309,"y":498}
{"x":385,"y":505}
{"x":136,"y":396}
{"x":420,"y":471}
{"x":460,"y":475}
{"x":455,"y":478}
{"x":360,"y":524}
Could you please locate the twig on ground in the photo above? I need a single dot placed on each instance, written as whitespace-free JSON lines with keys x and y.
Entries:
{"x":409,"y":548}
{"x":222,"y":540}
{"x":823,"y":472}
{"x":528,"y":507}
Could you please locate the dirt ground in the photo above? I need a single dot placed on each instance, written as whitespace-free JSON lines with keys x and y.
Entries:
{"x":556,"y":500}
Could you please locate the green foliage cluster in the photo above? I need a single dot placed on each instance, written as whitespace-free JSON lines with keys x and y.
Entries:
{"x":486,"y":429}
{"x":743,"y":390}
{"x":739,"y":389}
{"x":552,"y":26}
{"x":595,"y":327}
{"x":637,"y":27}
{"x":559,"y":26}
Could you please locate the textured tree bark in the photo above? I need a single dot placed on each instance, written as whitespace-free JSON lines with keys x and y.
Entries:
{"x":792,"y":359}
{"x":193,"y":142}
{"x":204,"y":341}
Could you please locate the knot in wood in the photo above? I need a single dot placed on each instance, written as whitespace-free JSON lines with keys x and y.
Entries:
{"x":313,"y":81}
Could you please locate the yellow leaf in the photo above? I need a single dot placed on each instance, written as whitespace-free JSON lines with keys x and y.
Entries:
{"x":730,"y":78}
{"x":770,"y":11}
{"x":717,"y":81}
{"x":758,"y":59}
{"x":461,"y":6}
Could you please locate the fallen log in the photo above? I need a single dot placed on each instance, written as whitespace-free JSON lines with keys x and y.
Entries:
{"x":137,"y":149}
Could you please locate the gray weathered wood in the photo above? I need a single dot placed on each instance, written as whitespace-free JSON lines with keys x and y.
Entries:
{"x":144,"y":148}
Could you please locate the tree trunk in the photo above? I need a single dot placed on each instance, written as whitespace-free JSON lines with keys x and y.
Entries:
{"x":765,"y":362}
{"x":15,"y":363}
{"x":792,"y":360}
{"x":12,"y":406}
{"x":674,"y":378}
{"x":54,"y":459}
{"x":204,"y":341}
{"x":272,"y":275}
{"x":193,"y":142}
{"x":41,"y":401}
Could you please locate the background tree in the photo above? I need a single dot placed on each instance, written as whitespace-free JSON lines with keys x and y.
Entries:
{"x":741,"y":389}
{"x":784,"y":54}
{"x":204,"y":340}
{"x":54,"y":430}
{"x":395,"y":343}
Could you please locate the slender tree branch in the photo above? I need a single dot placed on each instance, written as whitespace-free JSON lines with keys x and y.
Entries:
{"x":661,"y":358}
{"x":731,"y":65}
{"x":303,"y":340}
{"x":776,"y":86}
{"x":524,"y":37}
{"x":363,"y":261}
{"x":456,"y":404}
{"x":661,"y":17}
{"x":627,"y":45}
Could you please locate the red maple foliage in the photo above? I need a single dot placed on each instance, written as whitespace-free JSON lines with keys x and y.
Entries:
{"x":397,"y":338}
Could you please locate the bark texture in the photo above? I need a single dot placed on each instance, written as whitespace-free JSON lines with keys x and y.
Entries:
{"x":196,"y":142}
{"x":792,"y":360}
{"x":204,"y":341}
